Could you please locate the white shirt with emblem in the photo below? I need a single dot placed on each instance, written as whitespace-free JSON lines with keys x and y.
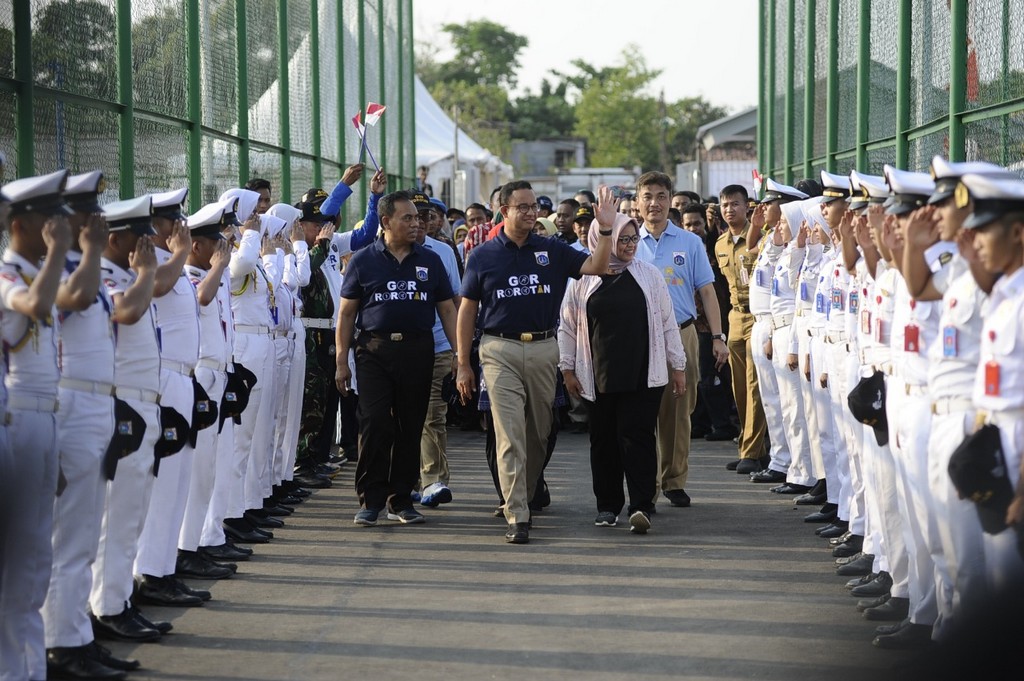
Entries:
{"x":177,"y":317}
{"x":87,"y":336}
{"x":30,"y":347}
{"x":250,"y":286}
{"x":137,"y":352}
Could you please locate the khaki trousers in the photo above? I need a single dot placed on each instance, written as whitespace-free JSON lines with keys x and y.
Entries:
{"x":674,"y":420}
{"x":520,"y":381}
{"x":434,"y":440}
{"x":744,"y":386}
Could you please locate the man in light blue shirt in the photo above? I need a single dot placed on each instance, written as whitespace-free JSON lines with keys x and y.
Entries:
{"x":683,"y":261}
{"x":434,"y":476}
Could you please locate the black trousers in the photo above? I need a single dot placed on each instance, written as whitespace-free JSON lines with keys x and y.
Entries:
{"x":623,"y":443}
{"x":394,"y":389}
{"x":715,"y":403}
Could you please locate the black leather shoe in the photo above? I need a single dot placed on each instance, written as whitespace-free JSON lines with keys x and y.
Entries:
{"x":767,"y":476}
{"x":910,"y":637}
{"x":748,"y":466}
{"x":851,"y":547}
{"x":183,"y":588}
{"x":192,"y":564}
{"x":678,"y":498}
{"x":878,"y":586}
{"x":262,"y":521}
{"x":122,"y":627}
{"x":861,"y":565}
{"x":162,"y":591}
{"x":868,"y":603}
{"x":810,"y":499}
{"x":74,"y":663}
{"x":160,"y":625}
{"x":893,"y":610}
{"x":275,"y":509}
{"x":863,"y":579}
{"x":311,"y":480}
{"x":518,"y":533}
{"x":827,"y":514}
{"x":289,"y":501}
{"x":224,"y":552}
{"x":731,"y":466}
{"x":103,"y":655}
{"x":789,"y":488}
{"x":837,"y":529}
{"x":245,"y":536}
{"x":841,"y":539}
{"x":886,"y":629}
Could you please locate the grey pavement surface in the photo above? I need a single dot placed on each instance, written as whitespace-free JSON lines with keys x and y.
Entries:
{"x":735,"y":587}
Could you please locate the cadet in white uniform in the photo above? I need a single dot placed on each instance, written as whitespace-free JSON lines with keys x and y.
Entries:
{"x":28,"y":287}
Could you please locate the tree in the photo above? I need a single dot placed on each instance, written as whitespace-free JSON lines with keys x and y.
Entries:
{"x":486,"y":53}
{"x":686,"y":116}
{"x":483,"y":112}
{"x":546,"y":114}
{"x":73,"y":48}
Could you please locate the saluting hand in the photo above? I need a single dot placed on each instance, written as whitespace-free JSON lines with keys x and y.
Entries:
{"x":923,"y":227}
{"x":297,"y":233}
{"x":326,"y":232}
{"x":57,"y":234}
{"x":94,"y":233}
{"x":252,"y":223}
{"x":180,"y":239}
{"x":144,"y":256}
{"x":221,"y":257}
{"x":803,"y":235}
{"x":757,"y":219}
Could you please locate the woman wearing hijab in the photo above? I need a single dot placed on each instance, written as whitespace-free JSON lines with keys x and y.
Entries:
{"x":619,"y":346}
{"x":544,"y":227}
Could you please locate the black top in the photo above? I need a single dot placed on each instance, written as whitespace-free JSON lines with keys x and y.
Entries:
{"x":617,"y":315}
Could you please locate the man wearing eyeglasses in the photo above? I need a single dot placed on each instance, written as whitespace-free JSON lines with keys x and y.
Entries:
{"x":683,"y":261}
{"x":512,"y":291}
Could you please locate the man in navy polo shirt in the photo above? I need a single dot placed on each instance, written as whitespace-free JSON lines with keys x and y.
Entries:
{"x":391,"y":292}
{"x":516,"y":283}
{"x":683,"y":261}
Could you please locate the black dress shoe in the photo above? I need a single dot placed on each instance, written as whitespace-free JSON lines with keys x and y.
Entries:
{"x":910,"y":637}
{"x":518,"y":533}
{"x":163,"y":591}
{"x":851,"y":547}
{"x":731,"y":466}
{"x":274,"y":508}
{"x":289,"y":501}
{"x":767,"y":476}
{"x":123,"y":627}
{"x":311,"y":480}
{"x":103,"y":655}
{"x":224,"y":552}
{"x":747,"y":466}
{"x":810,"y":499}
{"x":74,"y":663}
{"x":893,"y":610}
{"x":192,"y":564}
{"x":789,"y":488}
{"x":261,"y":521}
{"x":861,"y":565}
{"x":160,"y":625}
{"x":245,"y":536}
{"x":886,"y":629}
{"x":183,"y":588}
{"x":837,"y":529}
{"x":841,"y":539}
{"x":863,"y":579}
{"x":879,"y":586}
{"x":827,"y":514}
{"x":868,"y":603}
{"x":678,"y":498}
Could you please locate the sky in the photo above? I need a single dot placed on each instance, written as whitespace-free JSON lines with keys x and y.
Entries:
{"x":683,"y":38}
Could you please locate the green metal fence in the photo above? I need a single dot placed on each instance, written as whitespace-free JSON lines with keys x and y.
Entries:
{"x":208,"y":93}
{"x":860,"y":83}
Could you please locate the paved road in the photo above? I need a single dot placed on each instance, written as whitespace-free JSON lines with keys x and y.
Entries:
{"x":735,"y":587}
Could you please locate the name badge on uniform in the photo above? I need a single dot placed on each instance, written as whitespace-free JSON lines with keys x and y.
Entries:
{"x":837,"y":298}
{"x":759,"y":278}
{"x":679,"y":258}
{"x":879,"y":328}
{"x":804,"y":293}
{"x":854,"y":302}
{"x":421,"y":273}
{"x":950,"y":342}
{"x":819,"y":303}
{"x":911,"y":338}
{"x":865,"y":322}
{"x":992,"y":378}
{"x":775,"y":286}
{"x":542,"y":258}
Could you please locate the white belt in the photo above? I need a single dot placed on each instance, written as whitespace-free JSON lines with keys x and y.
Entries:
{"x":875,"y":356}
{"x":139,"y":394}
{"x":177,"y":367}
{"x":838,"y":337}
{"x":915,"y":390}
{"x":93,"y":387}
{"x":284,"y":334}
{"x":1004,"y":417}
{"x":948,"y":405}
{"x":766,"y":317}
{"x":252,"y":328}
{"x":211,"y":365}
{"x":318,"y":323}
{"x":814,"y":331}
{"x":782,"y":321}
{"x":45,"y":405}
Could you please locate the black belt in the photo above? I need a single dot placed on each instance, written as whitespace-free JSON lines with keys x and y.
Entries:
{"x":399,"y":335}
{"x":525,"y":336}
{"x":688,"y":322}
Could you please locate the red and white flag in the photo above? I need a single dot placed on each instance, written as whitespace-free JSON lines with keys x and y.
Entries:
{"x":373,"y":113}
{"x":358,"y":123}
{"x":758,"y":181}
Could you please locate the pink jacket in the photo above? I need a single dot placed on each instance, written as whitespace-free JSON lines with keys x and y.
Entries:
{"x":665,"y":348}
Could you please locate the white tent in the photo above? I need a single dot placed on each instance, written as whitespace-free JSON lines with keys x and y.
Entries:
{"x":435,"y":148}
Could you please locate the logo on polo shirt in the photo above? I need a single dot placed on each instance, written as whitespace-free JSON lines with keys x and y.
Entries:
{"x":679,"y":258}
{"x":542,"y":258}
{"x":401,"y":290}
{"x":524,"y":285}
{"x":421,"y":273}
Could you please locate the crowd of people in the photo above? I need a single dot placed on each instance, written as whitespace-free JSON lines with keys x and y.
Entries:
{"x":181,"y":380}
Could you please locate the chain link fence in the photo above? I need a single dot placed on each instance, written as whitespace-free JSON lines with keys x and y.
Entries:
{"x":891,"y":81}
{"x":206,"y":93}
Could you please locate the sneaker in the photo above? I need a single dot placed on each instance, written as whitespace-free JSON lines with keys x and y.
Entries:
{"x":678,"y":498}
{"x":415,"y":495}
{"x":606,"y":519}
{"x":367,"y":517}
{"x":436,"y":494}
{"x":639,"y":522}
{"x":407,"y":516}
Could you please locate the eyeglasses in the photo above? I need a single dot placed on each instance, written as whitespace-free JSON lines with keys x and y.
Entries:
{"x":635,"y":239}
{"x":526,"y":207}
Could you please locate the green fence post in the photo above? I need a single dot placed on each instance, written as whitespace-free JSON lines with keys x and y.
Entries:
{"x":343,"y":115}
{"x":314,"y":72}
{"x":381,"y":64}
{"x":282,"y":99}
{"x":832,"y":101}
{"x":412,"y":88}
{"x":762,"y":89}
{"x":770,"y":82}
{"x":242,"y":90}
{"x":125,"y":97}
{"x":957,"y":78}
{"x":1004,"y":127}
{"x":863,"y":82}
{"x":904,"y":47}
{"x":362,"y":82}
{"x":789,"y":133}
{"x":25,"y":140}
{"x":399,"y":56}
{"x":195,"y":105}
{"x":809,"y":87}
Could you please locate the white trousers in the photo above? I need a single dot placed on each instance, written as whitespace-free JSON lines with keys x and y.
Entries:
{"x":253,"y":436}
{"x":158,"y":545}
{"x":825,"y":419}
{"x":817,"y":462}
{"x":226,"y":478}
{"x":85,"y":424}
{"x":769,"y":388}
{"x":28,"y":551}
{"x":127,"y":501}
{"x":794,"y":419}
{"x":284,"y":349}
{"x":838,"y":389}
{"x":296,"y":385}
{"x":204,"y":467}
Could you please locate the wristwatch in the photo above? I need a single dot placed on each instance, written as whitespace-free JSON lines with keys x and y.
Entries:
{"x":719,"y":336}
